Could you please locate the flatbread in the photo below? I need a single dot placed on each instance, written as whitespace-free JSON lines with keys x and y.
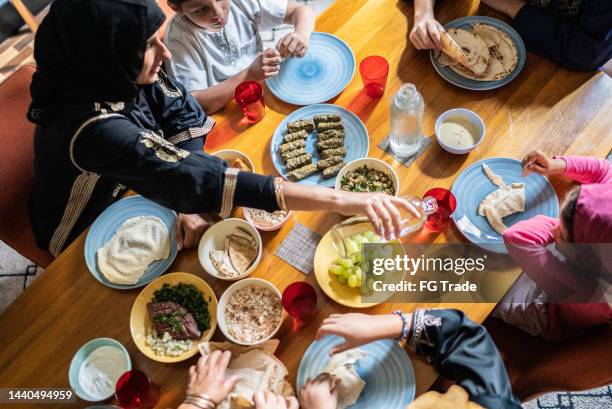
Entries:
{"x":500,"y":45}
{"x":506,"y":200}
{"x":454,"y":51}
{"x":258,"y":368}
{"x":137,"y":243}
{"x":473,"y":46}
{"x":342,"y":366}
{"x":502,"y":53}
{"x":240,"y":250}
{"x":221,"y":262}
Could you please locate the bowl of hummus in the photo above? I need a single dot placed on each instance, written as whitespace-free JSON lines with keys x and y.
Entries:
{"x":459,"y":131}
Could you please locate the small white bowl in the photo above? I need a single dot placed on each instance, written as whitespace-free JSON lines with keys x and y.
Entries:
{"x":229,"y":155}
{"x":82,"y":354}
{"x":224,"y":300}
{"x":248,"y":217}
{"x":214,"y":239}
{"x":467,"y":115}
{"x":376,"y":164}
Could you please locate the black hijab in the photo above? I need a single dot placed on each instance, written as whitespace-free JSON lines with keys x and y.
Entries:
{"x":90,"y":51}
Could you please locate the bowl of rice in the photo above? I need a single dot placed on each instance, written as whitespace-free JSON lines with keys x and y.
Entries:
{"x":266,"y":221}
{"x":250,"y":311}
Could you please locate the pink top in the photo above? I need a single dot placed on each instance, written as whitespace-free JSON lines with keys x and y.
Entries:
{"x":527,"y":240}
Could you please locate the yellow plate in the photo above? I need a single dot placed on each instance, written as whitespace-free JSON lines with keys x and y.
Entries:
{"x":323,"y":259}
{"x":140,"y":319}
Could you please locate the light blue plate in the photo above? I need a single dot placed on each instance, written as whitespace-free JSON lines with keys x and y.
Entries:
{"x":472,"y":185}
{"x":465,"y":23}
{"x":82,"y":354}
{"x":105,"y":226}
{"x":325,"y":70}
{"x":387,"y":370}
{"x":355,"y":140}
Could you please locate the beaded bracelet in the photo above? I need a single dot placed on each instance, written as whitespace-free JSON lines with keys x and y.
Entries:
{"x":404,"y":317}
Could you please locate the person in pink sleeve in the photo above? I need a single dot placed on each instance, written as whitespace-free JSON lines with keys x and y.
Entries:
{"x":562,"y":290}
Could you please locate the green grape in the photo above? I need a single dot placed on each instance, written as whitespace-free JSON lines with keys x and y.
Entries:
{"x":352,"y":281}
{"x":344,"y":262}
{"x":342,"y":279}
{"x":336,"y":269}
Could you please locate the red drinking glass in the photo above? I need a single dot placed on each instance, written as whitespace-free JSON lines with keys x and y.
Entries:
{"x":249,"y":95}
{"x":134,"y":389}
{"x":300,"y":301}
{"x":374,"y":71}
{"x":447,"y":204}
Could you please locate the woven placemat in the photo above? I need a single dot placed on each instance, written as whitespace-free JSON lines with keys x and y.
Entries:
{"x":298,"y":248}
{"x":425,"y":144}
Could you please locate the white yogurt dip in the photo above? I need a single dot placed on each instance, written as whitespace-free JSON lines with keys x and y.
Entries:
{"x":458,"y":133}
{"x":100,"y":371}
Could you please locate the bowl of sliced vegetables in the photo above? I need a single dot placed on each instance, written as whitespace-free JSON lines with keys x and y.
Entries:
{"x":368,"y":175}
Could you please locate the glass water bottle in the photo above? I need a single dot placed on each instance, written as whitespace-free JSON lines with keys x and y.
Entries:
{"x":407,"y":109}
{"x":343,"y":231}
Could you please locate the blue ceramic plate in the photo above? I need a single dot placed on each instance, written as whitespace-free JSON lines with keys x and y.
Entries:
{"x":355,"y":140}
{"x":107,"y":224}
{"x":472,"y":185}
{"x":460,"y":81}
{"x":325,"y":70}
{"x":82,"y":354}
{"x":387,"y":370}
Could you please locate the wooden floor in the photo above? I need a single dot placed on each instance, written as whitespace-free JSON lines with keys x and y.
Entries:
{"x":18,"y":50}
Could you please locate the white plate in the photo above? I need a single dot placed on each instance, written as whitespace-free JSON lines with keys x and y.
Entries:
{"x":214,"y":239}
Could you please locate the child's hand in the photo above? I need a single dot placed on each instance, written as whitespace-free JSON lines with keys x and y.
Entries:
{"x":293,"y":45}
{"x":320,"y":393}
{"x":542,"y":164}
{"x":268,"y":400}
{"x":426,"y":33}
{"x":359,"y":329}
{"x":266,"y":65}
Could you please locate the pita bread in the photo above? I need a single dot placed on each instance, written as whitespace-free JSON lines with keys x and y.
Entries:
{"x":454,"y":51}
{"x":504,"y":201}
{"x":258,"y":368}
{"x":500,"y":45}
{"x":342,"y":366}
{"x":137,"y":243}
{"x":240,"y":251}
{"x":473,"y":46}
{"x":502,"y":53}
{"x":220,"y":261}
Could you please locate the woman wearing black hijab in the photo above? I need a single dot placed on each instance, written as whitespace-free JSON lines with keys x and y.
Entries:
{"x":107,"y":118}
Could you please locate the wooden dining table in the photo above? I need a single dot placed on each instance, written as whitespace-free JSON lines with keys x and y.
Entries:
{"x":546,"y":107}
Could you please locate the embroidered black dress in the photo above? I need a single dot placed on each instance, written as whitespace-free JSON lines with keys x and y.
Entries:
{"x":149,"y":138}
{"x":463,"y":351}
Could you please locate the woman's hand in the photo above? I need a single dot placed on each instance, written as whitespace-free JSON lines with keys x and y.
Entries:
{"x":266,"y":65}
{"x":426,"y":33}
{"x":293,"y":45}
{"x":359,"y":329}
{"x":320,"y":393}
{"x":383,"y":211}
{"x":190,"y":228}
{"x":542,"y":164}
{"x":269,"y":400}
{"x":208,"y":377}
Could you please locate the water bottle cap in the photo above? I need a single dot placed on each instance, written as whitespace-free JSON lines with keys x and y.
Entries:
{"x":406,"y":94}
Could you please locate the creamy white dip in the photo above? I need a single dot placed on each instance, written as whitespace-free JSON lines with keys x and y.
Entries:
{"x":100,"y":371}
{"x":458,"y":133}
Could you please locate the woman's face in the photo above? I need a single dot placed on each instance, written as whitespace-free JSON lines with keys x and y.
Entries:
{"x":155,"y":54}
{"x":210,"y":15}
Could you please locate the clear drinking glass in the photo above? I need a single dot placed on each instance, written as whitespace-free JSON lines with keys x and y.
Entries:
{"x":410,"y":223}
{"x":407,"y":109}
